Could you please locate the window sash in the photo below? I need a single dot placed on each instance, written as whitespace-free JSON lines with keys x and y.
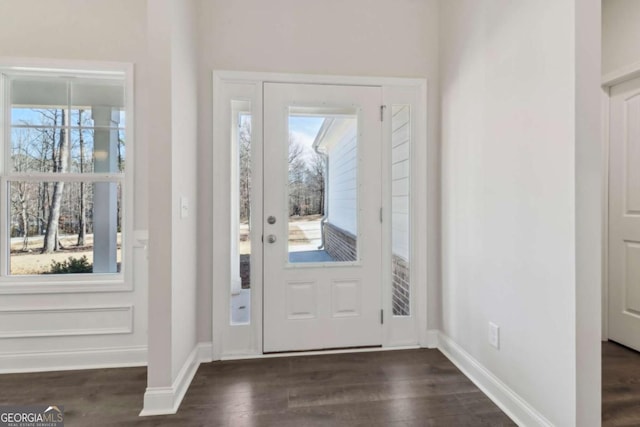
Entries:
{"x":56,"y":283}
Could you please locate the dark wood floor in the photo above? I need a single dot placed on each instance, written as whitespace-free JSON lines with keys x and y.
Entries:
{"x":388,"y":388}
{"x":392,"y":388}
{"x":620,"y":386}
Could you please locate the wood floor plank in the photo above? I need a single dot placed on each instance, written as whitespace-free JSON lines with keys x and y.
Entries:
{"x":388,"y":411}
{"x":620,"y":386}
{"x":313,"y":395}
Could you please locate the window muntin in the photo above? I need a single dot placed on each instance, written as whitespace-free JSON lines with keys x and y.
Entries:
{"x":63,"y":174}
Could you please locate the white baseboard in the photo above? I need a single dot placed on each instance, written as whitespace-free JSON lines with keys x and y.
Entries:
{"x":509,"y":401}
{"x":166,"y":400}
{"x":432,"y":338}
{"x":42,"y":361}
{"x":205,"y":352}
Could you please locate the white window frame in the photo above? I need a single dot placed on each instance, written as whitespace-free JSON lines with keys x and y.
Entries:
{"x":67,"y":283}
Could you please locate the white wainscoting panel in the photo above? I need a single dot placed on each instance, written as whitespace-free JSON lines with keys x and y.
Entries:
{"x":50,"y":322}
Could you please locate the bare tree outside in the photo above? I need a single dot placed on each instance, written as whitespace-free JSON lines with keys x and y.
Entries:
{"x":244,"y":149}
{"x":60,"y":160}
{"x":306,"y":180}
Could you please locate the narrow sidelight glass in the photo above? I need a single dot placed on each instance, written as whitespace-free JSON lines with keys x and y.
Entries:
{"x":240,"y":303}
{"x":400,"y":209}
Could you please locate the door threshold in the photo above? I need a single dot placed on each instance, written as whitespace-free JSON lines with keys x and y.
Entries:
{"x":318,"y":352}
{"x":327,"y":350}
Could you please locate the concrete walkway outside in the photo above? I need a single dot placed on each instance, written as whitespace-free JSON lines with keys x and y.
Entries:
{"x":310,"y":256}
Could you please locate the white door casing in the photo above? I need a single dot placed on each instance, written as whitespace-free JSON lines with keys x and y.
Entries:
{"x":624,"y":214}
{"x":322,"y":305}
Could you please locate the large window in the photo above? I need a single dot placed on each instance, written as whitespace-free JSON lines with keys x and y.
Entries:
{"x":62,"y":173}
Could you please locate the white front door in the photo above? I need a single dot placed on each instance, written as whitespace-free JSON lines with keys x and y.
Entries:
{"x":322,"y":226}
{"x":624,"y":215}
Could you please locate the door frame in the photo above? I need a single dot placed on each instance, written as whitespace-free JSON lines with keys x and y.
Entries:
{"x":609,"y":80}
{"x":240,"y":341}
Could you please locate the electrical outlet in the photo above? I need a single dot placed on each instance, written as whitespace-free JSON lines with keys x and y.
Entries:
{"x":494,"y":335}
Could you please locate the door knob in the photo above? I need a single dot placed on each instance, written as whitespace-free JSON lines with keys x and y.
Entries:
{"x":271,"y":220}
{"x":271,"y":238}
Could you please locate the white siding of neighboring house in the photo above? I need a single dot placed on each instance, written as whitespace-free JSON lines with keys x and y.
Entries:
{"x":343,"y":181}
{"x":400,"y":180}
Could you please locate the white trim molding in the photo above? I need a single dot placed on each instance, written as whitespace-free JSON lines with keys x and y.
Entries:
{"x":166,"y":400}
{"x":605,"y":211}
{"x":504,"y":397}
{"x":38,"y":322}
{"x":205,"y":352}
{"x":432,"y":338}
{"x":260,"y":77}
{"x":620,"y":75}
{"x":98,"y":358}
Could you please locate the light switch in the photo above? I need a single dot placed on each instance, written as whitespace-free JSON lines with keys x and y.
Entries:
{"x":494,"y":335}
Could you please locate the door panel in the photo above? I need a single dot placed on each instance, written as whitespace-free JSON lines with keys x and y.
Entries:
{"x":632,"y":278}
{"x":322,"y":231}
{"x":624,"y":215}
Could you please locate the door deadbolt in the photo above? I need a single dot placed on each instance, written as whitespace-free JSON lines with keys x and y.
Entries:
{"x":271,"y":220}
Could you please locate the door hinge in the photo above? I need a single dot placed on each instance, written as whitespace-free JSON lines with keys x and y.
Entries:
{"x":382,"y":108}
{"x":262,"y":238}
{"x":380,"y":215}
{"x":382,"y":317}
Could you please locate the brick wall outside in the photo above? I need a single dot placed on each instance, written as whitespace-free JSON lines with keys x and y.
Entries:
{"x":340,"y":244}
{"x":400,"y":295}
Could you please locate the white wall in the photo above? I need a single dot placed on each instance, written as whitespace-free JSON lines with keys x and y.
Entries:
{"x":101,"y":30}
{"x":184,"y":129}
{"x":398,"y":38}
{"x":343,"y":182}
{"x":589,"y":208}
{"x":171,"y":113}
{"x":510,"y":209}
{"x":620,"y":34}
{"x":157,"y":110}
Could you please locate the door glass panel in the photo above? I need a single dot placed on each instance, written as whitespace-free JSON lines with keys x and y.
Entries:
{"x":323,"y":185}
{"x":240,"y":304}
{"x":400,"y":203}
